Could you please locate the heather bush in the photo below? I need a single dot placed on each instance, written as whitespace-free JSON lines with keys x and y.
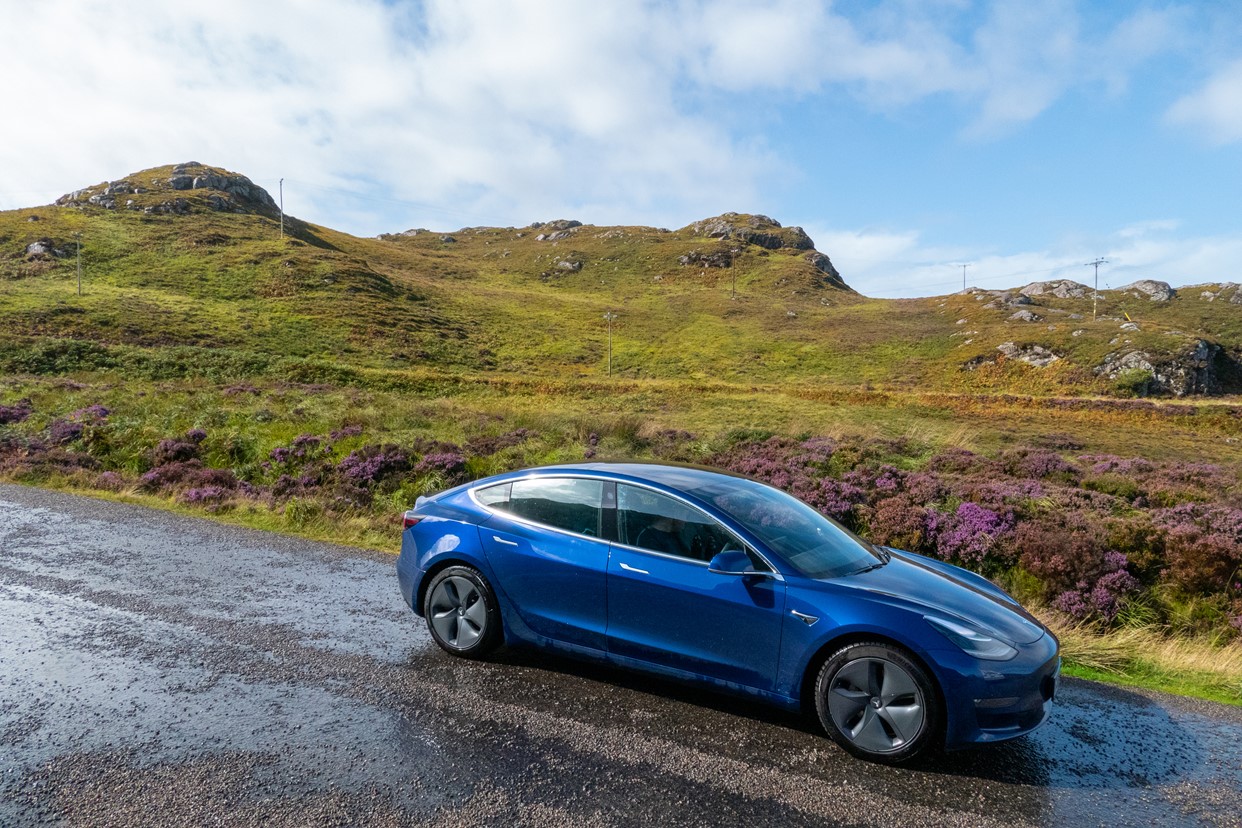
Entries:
{"x":75,"y":424}
{"x":16,"y":413}
{"x":484,"y":446}
{"x":898,"y":522}
{"x":173,"y":450}
{"x":448,"y":465}
{"x":1203,"y":546}
{"x":1038,"y":464}
{"x":1103,"y":595}
{"x":970,"y":534}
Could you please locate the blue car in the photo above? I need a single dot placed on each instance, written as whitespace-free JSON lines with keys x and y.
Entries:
{"x":718,"y":579}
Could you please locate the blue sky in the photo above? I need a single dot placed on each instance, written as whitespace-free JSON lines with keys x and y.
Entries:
{"x":1024,"y":138}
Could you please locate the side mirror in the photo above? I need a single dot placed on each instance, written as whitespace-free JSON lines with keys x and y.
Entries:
{"x":732,"y":562}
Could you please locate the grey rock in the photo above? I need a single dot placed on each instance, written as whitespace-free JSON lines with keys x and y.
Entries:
{"x":1129,"y":326}
{"x":1036,"y":355}
{"x":571,"y":265}
{"x":762,"y":231}
{"x":1060,"y":288}
{"x":181,"y":182}
{"x":824,"y":265}
{"x":717,"y":258}
{"x":561,"y":224}
{"x":1198,"y":368}
{"x":448,"y":240}
{"x":1026,"y":316}
{"x":1153,"y":290}
{"x":44,"y":249}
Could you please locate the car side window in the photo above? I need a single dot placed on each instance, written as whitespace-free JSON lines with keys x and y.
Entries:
{"x":495,"y":496}
{"x":572,"y":504}
{"x":657,"y":522}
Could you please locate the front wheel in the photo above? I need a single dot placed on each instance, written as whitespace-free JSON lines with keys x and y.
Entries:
{"x":878,"y":703}
{"x":462,"y":613}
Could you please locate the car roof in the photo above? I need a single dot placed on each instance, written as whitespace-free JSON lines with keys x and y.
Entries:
{"x":682,"y":476}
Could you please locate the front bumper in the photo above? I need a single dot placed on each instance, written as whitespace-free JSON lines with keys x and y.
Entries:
{"x":991,"y":701}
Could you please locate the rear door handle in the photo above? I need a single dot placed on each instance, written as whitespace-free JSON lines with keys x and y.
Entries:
{"x":629,"y":568}
{"x":499,"y":539}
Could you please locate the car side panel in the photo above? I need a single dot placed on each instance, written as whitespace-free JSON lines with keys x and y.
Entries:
{"x":554,"y":580}
{"x":675,"y":613}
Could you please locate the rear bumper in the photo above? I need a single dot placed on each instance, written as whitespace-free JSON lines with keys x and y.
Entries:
{"x":409,"y":576}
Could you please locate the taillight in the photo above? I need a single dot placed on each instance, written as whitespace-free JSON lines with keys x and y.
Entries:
{"x":408,"y":520}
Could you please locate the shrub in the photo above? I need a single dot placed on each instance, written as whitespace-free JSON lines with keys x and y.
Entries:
{"x":16,"y":413}
{"x":897,"y":521}
{"x":1203,"y":546}
{"x":970,"y":534}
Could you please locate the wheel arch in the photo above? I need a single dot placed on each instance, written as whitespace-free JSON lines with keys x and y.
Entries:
{"x":806,"y":688}
{"x":438,"y":567}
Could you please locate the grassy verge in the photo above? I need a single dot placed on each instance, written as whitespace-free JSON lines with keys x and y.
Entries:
{"x":1202,"y":667}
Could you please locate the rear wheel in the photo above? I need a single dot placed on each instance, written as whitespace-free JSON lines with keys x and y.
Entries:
{"x":462,"y":613}
{"x":875,"y":701}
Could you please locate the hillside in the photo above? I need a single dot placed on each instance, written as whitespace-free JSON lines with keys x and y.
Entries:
{"x":192,"y":256}
{"x":319,"y":383}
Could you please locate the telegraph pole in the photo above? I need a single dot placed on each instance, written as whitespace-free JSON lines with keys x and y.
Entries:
{"x":964,"y":276}
{"x":610,"y":316}
{"x":1095,"y":295}
{"x":78,"y":238}
{"x":282,"y":208}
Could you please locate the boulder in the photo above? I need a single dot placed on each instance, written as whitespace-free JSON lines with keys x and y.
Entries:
{"x":1153,"y":290}
{"x":44,"y":249}
{"x":1060,"y":288}
{"x":1025,"y":316}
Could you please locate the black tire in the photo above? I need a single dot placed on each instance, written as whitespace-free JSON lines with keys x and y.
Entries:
{"x":461,"y":611}
{"x":878,"y":703}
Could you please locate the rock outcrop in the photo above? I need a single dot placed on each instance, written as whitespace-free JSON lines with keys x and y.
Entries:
{"x":1201,"y":367}
{"x":194,"y":184}
{"x":1036,"y":355}
{"x":1060,"y":288}
{"x":756,"y":229}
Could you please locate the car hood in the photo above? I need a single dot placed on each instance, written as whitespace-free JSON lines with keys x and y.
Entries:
{"x":923,"y":586}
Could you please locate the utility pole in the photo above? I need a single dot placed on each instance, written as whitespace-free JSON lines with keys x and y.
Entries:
{"x":282,"y":208}
{"x":610,"y":316}
{"x":733,"y":292}
{"x":1095,"y":295}
{"x":964,"y":276}
{"x":78,"y":238}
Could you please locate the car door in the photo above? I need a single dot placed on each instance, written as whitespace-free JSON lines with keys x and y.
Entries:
{"x":666,"y":608}
{"x":543,"y":542}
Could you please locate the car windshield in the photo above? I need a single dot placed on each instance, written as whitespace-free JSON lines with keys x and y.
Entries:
{"x":815,"y":545}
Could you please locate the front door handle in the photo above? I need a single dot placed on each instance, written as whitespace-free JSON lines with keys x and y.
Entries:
{"x":629,"y":568}
{"x":499,"y":539}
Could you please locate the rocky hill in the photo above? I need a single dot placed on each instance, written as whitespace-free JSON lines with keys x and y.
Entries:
{"x":191,"y":256}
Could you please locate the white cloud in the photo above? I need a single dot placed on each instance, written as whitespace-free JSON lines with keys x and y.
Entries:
{"x":444,"y":113}
{"x":1216,"y":107}
{"x":886,"y":263}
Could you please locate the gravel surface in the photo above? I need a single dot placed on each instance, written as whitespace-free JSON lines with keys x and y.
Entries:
{"x":156,"y":669}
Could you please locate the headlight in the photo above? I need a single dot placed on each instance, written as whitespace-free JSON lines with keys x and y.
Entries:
{"x":972,"y":641}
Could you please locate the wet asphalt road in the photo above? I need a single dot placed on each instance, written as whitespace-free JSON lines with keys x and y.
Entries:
{"x":162,"y":670}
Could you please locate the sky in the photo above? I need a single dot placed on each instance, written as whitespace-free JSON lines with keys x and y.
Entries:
{"x":1023,"y":138}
